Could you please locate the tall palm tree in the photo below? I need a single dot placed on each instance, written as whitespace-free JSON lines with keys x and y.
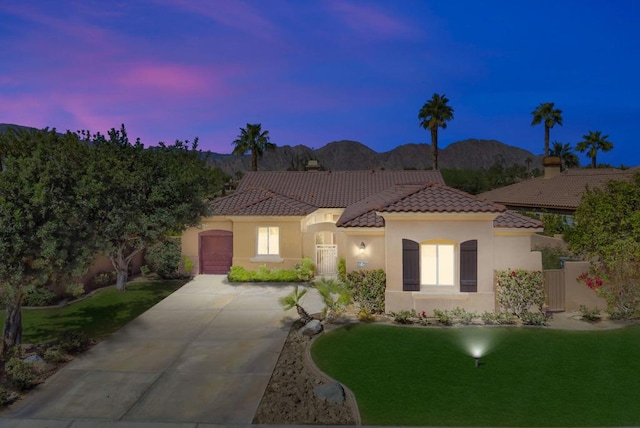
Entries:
{"x":566,"y":155}
{"x":550,"y":116}
{"x":435,"y":114}
{"x":592,"y":143}
{"x":255,"y":140}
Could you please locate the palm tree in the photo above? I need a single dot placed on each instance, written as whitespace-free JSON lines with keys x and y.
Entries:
{"x":566,"y":155}
{"x":255,"y":140}
{"x":550,"y":116}
{"x":592,"y":143}
{"x":294,"y":300}
{"x":435,"y":114}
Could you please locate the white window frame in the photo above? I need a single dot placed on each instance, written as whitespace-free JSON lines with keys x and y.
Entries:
{"x":271,"y":247}
{"x":437,"y":264}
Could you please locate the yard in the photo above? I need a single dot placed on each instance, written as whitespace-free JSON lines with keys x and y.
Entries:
{"x":98,"y":315}
{"x":526,"y":376}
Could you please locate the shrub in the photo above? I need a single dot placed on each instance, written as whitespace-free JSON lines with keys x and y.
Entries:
{"x":187,"y":266}
{"x":365,"y":315}
{"x":500,"y":318}
{"x":342,"y":270}
{"x":21,"y":374}
{"x":533,"y":318}
{"x":462,"y":316}
{"x":589,"y":314}
{"x":404,"y":316}
{"x":75,"y":290}
{"x":552,"y":257}
{"x":5,"y":397}
{"x":104,"y":279}
{"x":39,"y":296}
{"x":443,"y":317}
{"x":54,"y":355}
{"x":553,"y":224}
{"x":517,"y":291}
{"x":164,"y":258}
{"x":73,"y":341}
{"x":305,"y":270}
{"x":263,"y":274}
{"x":367,"y":287}
{"x":335,"y":296}
{"x":145,"y":270}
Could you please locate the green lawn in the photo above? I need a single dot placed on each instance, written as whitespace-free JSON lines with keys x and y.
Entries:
{"x":527,"y":377}
{"x":98,"y":315}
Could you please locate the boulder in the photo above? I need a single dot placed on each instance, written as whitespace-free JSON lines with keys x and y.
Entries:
{"x":333,"y":392}
{"x":33,"y":359}
{"x":311,"y":328}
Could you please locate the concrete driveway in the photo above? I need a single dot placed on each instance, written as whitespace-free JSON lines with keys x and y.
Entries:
{"x":203,"y":355}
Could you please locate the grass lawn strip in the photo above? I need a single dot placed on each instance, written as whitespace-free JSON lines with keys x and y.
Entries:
{"x":527,"y":377}
{"x":98,"y":315}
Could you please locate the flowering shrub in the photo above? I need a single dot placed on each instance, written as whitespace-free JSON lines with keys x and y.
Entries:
{"x":367,"y":287}
{"x":593,"y":282}
{"x":517,"y":291}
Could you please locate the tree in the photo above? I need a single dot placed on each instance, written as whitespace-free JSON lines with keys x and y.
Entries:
{"x":46,"y":232}
{"x":255,"y":140}
{"x":550,"y":116}
{"x":566,"y":155}
{"x":435,"y":114}
{"x":146,"y":194}
{"x":607,"y":231}
{"x":592,"y":143}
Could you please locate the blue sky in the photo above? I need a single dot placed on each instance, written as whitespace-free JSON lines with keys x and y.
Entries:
{"x":313,"y":72}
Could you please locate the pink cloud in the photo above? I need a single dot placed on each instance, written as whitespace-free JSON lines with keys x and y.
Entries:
{"x":372,"y":21}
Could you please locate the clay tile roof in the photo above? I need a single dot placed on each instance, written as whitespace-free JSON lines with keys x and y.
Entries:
{"x":424,"y":198}
{"x":332,"y":189}
{"x":435,"y":198}
{"x":563,"y":191}
{"x":259,"y":202}
{"x":513,"y":220}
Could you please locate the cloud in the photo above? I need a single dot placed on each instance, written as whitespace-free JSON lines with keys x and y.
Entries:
{"x":371,"y":21}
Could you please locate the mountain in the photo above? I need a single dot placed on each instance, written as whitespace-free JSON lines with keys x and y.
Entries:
{"x":352,"y":155}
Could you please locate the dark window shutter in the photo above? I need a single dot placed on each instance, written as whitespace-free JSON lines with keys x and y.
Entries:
{"x":469,"y":266}
{"x":410,"y":265}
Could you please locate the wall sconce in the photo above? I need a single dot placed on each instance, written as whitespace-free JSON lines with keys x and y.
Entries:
{"x":362,"y":247}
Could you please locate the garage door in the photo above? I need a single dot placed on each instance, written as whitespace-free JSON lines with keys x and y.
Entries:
{"x":216,"y":251}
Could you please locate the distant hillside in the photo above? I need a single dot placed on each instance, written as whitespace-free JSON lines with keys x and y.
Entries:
{"x":352,"y":155}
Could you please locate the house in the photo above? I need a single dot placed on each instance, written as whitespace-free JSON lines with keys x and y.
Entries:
{"x":555,"y":192}
{"x":438,"y":246}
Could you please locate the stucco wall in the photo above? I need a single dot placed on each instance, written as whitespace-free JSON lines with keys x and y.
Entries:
{"x":189,"y":241}
{"x":245,"y":232}
{"x":513,"y":251}
{"x":577,"y":293}
{"x":373,"y":255}
{"x":457,"y":229}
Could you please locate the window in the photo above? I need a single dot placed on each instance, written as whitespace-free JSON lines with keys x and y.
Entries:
{"x":268,"y":241}
{"x":437,"y":264}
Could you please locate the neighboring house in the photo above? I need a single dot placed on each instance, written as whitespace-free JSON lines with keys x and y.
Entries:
{"x":438,"y":246}
{"x":555,"y":192}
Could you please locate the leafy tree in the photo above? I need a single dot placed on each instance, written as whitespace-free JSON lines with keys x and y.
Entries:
{"x":607,"y":230}
{"x":566,"y":155}
{"x":592,"y":143}
{"x":46,"y":231}
{"x":435,"y":114}
{"x":146,"y":194}
{"x":255,"y":140}
{"x":550,"y":116}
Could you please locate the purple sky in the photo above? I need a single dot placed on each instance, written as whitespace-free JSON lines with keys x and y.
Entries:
{"x":313,"y":72}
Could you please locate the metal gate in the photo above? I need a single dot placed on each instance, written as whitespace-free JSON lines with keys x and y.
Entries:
{"x":326,"y":259}
{"x":554,"y":289}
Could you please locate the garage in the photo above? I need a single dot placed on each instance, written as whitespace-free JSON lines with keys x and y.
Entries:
{"x":215,"y":251}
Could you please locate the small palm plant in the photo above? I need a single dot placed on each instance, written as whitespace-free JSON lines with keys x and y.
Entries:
{"x":335,"y":295}
{"x":294,"y":300}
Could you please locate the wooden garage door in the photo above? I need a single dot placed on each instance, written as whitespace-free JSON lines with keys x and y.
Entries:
{"x":216,"y":251}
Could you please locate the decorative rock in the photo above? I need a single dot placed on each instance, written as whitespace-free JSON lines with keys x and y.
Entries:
{"x":32,"y":359}
{"x":333,"y":392}
{"x":311,"y":328}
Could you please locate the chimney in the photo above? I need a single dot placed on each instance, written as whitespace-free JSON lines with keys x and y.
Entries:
{"x":313,"y":165}
{"x":552,"y":166}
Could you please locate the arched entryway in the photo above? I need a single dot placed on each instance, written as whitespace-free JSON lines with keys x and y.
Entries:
{"x":215,"y":251}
